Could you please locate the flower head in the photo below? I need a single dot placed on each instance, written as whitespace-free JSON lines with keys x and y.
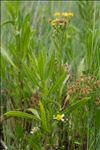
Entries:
{"x":59,"y":117}
{"x":67,"y":14}
{"x":57,"y":14}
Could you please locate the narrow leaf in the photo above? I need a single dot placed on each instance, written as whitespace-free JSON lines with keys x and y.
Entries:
{"x":57,"y":84}
{"x":19,"y":114}
{"x":35,"y":112}
{"x":43,"y":116}
{"x":7,"y":57}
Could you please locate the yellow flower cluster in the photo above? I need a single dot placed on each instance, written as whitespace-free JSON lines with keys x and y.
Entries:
{"x":64,"y":14}
{"x":61,"y":18}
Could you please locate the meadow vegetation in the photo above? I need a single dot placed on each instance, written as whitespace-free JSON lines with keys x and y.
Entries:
{"x":50,"y":75}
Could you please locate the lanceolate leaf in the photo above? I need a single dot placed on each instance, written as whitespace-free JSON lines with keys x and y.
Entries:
{"x":19,"y":114}
{"x":7,"y":22}
{"x":7,"y":57}
{"x":43,"y":117}
{"x":56,"y":84}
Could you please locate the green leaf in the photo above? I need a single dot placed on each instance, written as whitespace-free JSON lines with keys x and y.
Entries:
{"x":25,"y":36}
{"x":50,"y":66}
{"x":97,"y":119}
{"x":41,"y":64}
{"x":63,"y":85}
{"x":56,"y":84}
{"x":19,"y":130}
{"x":35,"y":112}
{"x":43,"y":116}
{"x":7,"y":57}
{"x":19,"y":114}
{"x":7,"y":22}
{"x":76,"y":105}
{"x":77,"y":143}
{"x":31,"y":75}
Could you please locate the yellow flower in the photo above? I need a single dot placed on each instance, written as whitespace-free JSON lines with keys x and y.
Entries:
{"x":57,"y":14}
{"x":71,"y":14}
{"x":59,"y":117}
{"x":67,"y":14}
